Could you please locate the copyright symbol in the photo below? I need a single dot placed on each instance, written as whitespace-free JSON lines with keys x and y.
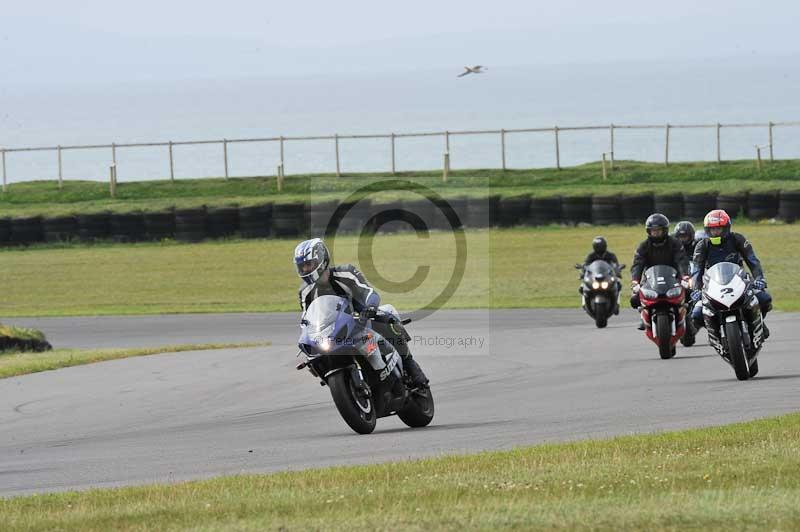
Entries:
{"x":431,"y":210}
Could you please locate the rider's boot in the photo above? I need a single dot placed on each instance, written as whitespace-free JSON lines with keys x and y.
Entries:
{"x":414,"y":372}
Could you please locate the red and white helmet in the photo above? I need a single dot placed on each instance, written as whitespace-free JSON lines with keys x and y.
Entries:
{"x":717,"y":225}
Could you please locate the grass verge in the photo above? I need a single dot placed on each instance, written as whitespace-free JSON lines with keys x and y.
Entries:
{"x":13,"y":364}
{"x":45,"y":198}
{"x":505,"y":268}
{"x":735,"y":477}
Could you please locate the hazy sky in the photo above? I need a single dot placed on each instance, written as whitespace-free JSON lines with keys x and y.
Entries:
{"x":54,"y":42}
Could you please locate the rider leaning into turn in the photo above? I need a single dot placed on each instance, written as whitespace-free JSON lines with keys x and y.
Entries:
{"x":312,"y":259}
{"x":659,"y":248}
{"x":723,"y":245}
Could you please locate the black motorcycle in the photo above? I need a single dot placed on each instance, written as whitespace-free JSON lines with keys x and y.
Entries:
{"x":363,"y":371}
{"x":600,"y":287}
{"x":732,"y":317}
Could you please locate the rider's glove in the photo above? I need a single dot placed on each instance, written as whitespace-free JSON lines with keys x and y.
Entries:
{"x":635,"y":287}
{"x":367,"y":314}
{"x":760,"y":283}
{"x":696,"y":295}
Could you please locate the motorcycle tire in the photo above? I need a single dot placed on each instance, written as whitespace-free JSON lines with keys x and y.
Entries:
{"x":733,"y":338}
{"x":601,"y":315}
{"x":418,"y":412}
{"x":754,"y":369}
{"x":358,"y":413}
{"x":690,"y":335}
{"x":664,"y":332}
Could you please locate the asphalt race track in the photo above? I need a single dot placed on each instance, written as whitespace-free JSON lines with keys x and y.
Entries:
{"x":538,"y":376}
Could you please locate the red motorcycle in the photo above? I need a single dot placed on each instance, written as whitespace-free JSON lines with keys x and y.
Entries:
{"x":663,"y":311}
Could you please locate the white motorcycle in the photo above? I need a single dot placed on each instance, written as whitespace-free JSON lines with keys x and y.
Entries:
{"x":732,"y":317}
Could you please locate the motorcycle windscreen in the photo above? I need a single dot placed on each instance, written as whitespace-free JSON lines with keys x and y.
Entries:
{"x":322,"y":314}
{"x":724,"y":272}
{"x":599,"y":269}
{"x":660,"y":278}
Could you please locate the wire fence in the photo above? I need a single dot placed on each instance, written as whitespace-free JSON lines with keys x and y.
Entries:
{"x":392,"y":141}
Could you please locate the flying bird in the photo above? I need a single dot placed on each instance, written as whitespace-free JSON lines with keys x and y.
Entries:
{"x":477,"y":69}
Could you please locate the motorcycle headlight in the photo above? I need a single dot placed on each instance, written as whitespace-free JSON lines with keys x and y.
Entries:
{"x":675,"y":291}
{"x":595,"y":285}
{"x":649,"y":294}
{"x":325,"y":344}
{"x":604,"y":285}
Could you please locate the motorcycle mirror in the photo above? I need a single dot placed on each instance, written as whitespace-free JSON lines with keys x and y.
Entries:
{"x":578,"y":266}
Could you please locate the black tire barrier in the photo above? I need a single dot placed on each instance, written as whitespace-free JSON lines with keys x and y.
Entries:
{"x":576,"y":209}
{"x":26,"y":230}
{"x":190,"y":224}
{"x":255,"y":221}
{"x":222,"y":222}
{"x":606,"y":210}
{"x":60,"y":229}
{"x":762,"y":205}
{"x":478,"y":212}
{"x":319,"y":216}
{"x":544,"y":211}
{"x":494,"y":211}
{"x":636,"y":208}
{"x":28,"y":345}
{"x":159,"y":225}
{"x":457,"y":207}
{"x":425,"y":210}
{"x":356,"y":217}
{"x":514,"y":211}
{"x":696,"y":206}
{"x":5,"y":231}
{"x":789,"y":208}
{"x":289,"y":219}
{"x":734,"y":204}
{"x":127,"y":227}
{"x":670,"y":205}
{"x":94,"y":226}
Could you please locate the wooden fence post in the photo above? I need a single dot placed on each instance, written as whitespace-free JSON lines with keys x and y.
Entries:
{"x":558,"y":150}
{"x":225,"y":155}
{"x":666,"y":145}
{"x":446,"y":169}
{"x":394,"y":170}
{"x":282,"y":165}
{"x":605,"y":175}
{"x":336,"y":141}
{"x":112,"y":180}
{"x":771,"y":159}
{"x":719,"y":151}
{"x":611,"y":129}
{"x":60,"y":175}
{"x":758,"y":157}
{"x":171,"y":164}
{"x":5,"y":183}
{"x":503,"y":146}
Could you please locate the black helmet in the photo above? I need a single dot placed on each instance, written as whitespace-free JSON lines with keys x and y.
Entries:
{"x":684,"y":231}
{"x":599,"y":245}
{"x":657,"y":227}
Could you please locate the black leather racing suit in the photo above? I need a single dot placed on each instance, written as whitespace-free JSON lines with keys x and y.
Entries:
{"x":347,"y":281}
